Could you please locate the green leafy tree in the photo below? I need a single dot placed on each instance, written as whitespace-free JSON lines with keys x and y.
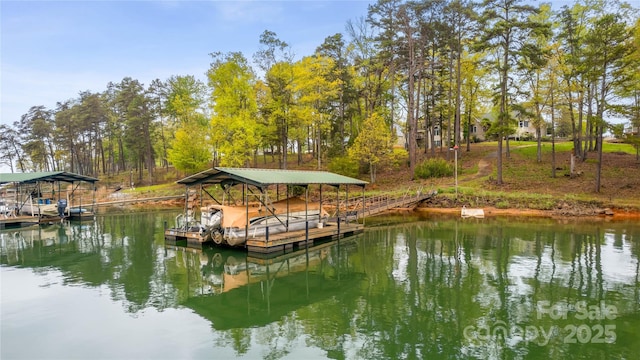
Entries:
{"x":275,"y":59}
{"x":409,"y":19}
{"x":607,"y":48}
{"x":138,"y":137}
{"x":11,"y":149}
{"x":233,"y":98}
{"x":373,"y":144}
{"x":533,"y":67}
{"x":507,"y":25}
{"x":371,"y":74}
{"x":134,"y":120}
{"x":189,"y":149}
{"x":280,"y":102}
{"x":573,"y":30}
{"x":384,"y":17}
{"x":36,"y":129}
{"x":93,"y":116}
{"x":474,"y":89}
{"x":314,"y":93}
{"x":185,"y":99}
{"x":66,"y":134}
{"x":630,"y":88}
{"x":460,"y":15}
{"x":553,"y":74}
{"x":114,"y":131}
{"x":158,"y":99}
{"x":344,"y":108}
{"x":188,"y":153}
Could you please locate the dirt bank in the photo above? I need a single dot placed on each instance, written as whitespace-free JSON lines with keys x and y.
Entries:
{"x":558,"y":208}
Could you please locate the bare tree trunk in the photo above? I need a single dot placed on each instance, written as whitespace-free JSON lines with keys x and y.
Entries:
{"x":579,"y":151}
{"x":450,"y":105}
{"x":553,"y":133}
{"x":457,"y":120}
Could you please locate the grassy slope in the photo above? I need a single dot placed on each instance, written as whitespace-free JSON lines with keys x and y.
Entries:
{"x":528,"y":184}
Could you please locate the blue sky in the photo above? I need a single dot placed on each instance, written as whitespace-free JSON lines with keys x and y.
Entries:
{"x":52,"y":50}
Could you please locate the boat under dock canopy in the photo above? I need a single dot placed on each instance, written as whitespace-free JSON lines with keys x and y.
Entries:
{"x":38,"y":195}
{"x":267,"y":226}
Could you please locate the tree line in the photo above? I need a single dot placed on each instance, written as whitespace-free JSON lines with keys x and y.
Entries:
{"x":429,"y":70}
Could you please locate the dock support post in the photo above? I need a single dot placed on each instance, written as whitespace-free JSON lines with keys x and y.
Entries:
{"x":338,"y":203}
{"x":186,"y":206}
{"x":306,"y":245}
{"x":287,"y":227}
{"x":94,"y":207}
{"x":364,"y":206}
{"x":320,"y":212}
{"x":245,"y":199}
{"x":346,"y":210}
{"x":306,"y":207}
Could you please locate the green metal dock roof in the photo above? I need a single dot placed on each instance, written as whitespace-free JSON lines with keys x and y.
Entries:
{"x":265,"y":177}
{"x":48,"y":176}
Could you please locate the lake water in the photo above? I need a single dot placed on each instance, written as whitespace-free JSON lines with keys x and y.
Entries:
{"x":408,"y":288}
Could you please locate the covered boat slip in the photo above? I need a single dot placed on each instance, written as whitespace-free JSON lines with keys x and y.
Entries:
{"x":38,"y":197}
{"x":257,"y":223}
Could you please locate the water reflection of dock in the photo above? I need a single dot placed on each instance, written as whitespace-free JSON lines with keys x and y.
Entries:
{"x":226,"y":270}
{"x":267,"y":287}
{"x":24,"y":245}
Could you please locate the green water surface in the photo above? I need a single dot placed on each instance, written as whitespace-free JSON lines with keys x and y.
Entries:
{"x":410,"y":287}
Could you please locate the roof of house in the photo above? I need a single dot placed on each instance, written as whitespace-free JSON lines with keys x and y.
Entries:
{"x":264,"y":177}
{"x":48,"y":176}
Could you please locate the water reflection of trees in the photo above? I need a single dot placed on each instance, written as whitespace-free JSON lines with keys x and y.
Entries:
{"x":116,"y":252}
{"x":524,"y":266}
{"x":446,"y":276}
{"x":398,"y":291}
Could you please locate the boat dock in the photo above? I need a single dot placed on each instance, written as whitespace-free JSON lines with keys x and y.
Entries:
{"x":347,"y":218}
{"x":38,"y":198}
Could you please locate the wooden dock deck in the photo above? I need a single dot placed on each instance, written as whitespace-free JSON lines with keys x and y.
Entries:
{"x":300,"y":239}
{"x":18,"y":221}
{"x":29,"y":220}
{"x":189,"y":237}
{"x":285,"y":241}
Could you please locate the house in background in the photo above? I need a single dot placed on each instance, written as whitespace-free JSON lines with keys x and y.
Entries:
{"x":631,"y":129}
{"x":476,"y":132}
{"x":524,"y":129}
{"x":424,"y":136}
